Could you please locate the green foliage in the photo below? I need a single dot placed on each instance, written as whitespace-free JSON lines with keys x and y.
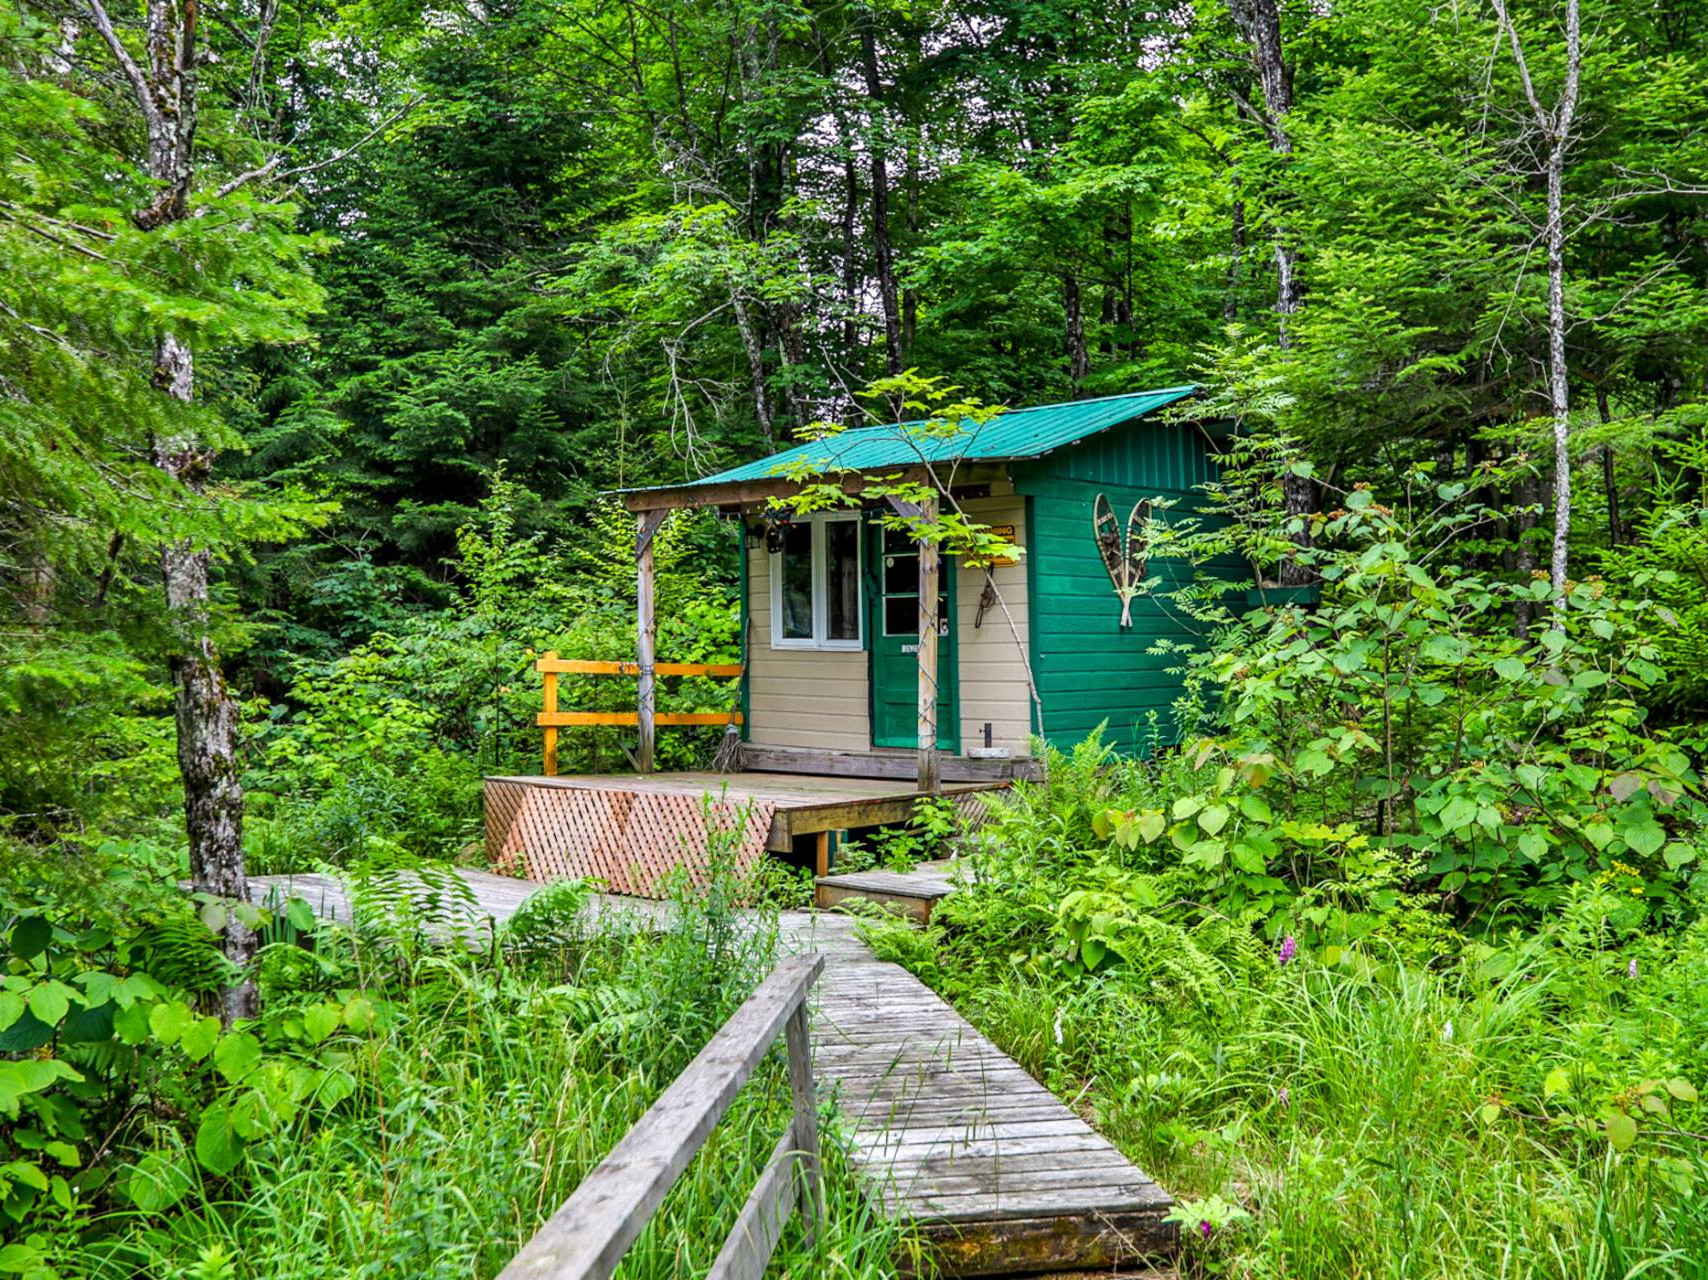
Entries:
{"x":1531,"y":1096}
{"x":393,"y":1064}
{"x":1402,"y":729}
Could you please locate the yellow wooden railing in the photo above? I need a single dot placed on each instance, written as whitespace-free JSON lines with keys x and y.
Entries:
{"x":550,"y":719}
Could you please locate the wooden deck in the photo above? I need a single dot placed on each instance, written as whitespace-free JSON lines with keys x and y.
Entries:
{"x":633,"y":831}
{"x":997,"y":1175}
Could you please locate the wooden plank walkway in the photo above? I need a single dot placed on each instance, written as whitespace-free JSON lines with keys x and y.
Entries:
{"x":997,"y":1175}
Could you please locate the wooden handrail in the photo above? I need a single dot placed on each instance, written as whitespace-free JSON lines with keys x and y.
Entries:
{"x":592,"y":1230}
{"x":550,"y":667}
{"x":602,"y":667}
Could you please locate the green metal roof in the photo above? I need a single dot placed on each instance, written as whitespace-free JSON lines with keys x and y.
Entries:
{"x":1019,"y":433}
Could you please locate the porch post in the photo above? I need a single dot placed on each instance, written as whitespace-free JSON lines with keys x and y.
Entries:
{"x":646,"y":635}
{"x":930,"y":566}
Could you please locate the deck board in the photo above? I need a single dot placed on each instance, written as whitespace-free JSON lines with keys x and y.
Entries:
{"x":946,"y":1132}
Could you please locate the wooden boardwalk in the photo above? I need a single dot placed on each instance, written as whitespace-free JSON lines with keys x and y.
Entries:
{"x":997,"y":1175}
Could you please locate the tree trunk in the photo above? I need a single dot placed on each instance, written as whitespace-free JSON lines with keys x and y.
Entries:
{"x":1556,"y":127}
{"x":1609,"y":481}
{"x":205,"y":714}
{"x":1236,"y":253}
{"x":1559,"y":395}
{"x":1260,"y":22}
{"x":1073,"y":308}
{"x":883,"y":257}
{"x":754,"y":345}
{"x":910,"y":296}
{"x":1524,"y":552}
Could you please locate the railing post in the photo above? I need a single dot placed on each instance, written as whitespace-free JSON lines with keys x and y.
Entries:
{"x":550,"y":708}
{"x":810,"y":1170}
{"x":646,"y":636}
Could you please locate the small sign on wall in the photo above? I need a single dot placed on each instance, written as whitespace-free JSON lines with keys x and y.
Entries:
{"x":1004,"y":532}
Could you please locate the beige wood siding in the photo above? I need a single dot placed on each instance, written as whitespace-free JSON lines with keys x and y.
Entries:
{"x":800,"y":697}
{"x":819,"y":698}
{"x":993,"y":660}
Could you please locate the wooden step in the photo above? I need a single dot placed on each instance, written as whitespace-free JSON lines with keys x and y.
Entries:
{"x":913,"y":893}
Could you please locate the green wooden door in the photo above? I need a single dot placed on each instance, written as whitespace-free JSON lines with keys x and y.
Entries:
{"x":893,"y":607}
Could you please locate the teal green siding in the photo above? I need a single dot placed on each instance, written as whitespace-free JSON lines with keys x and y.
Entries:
{"x":1089,"y":670}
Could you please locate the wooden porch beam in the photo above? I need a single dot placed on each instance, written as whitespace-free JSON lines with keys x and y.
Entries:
{"x":741,"y":493}
{"x":646,"y":636}
{"x":930,"y":570}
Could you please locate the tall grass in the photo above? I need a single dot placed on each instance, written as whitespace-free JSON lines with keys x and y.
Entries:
{"x":488,"y":1088}
{"x":1343,"y":1110}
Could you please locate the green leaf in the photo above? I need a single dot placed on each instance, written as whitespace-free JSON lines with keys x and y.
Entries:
{"x":50,"y":1001}
{"x":1509,"y":668}
{"x":1532,"y":844}
{"x":15,"y":1259}
{"x":1489,"y":1112}
{"x":1151,"y":824}
{"x":1256,"y":808}
{"x":169,"y":1019}
{"x":158,"y":1181}
{"x":1557,"y":1082}
{"x":1681,"y":1089}
{"x":238,"y":1054}
{"x":1675,"y":855}
{"x":320,"y":1021}
{"x":1458,"y":813}
{"x":1646,"y":836}
{"x":1444,"y":649}
{"x":199,"y":1038}
{"x":1248,"y":859}
{"x":217,"y":1145}
{"x":11,"y":1008}
{"x":1621,"y":1131}
{"x":132,"y":1024}
{"x":30,"y":937}
{"x":63,"y":1152}
{"x":1213,"y":818}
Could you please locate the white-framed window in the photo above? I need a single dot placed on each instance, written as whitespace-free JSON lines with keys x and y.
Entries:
{"x":817,"y":601}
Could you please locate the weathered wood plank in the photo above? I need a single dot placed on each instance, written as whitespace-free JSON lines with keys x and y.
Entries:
{"x":591,"y":1231}
{"x":759,"y":1226}
{"x":1028,"y":1245}
{"x":865,"y":764}
{"x":550,"y":664}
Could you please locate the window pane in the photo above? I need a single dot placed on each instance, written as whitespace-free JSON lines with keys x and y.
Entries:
{"x":901,"y":616}
{"x":842,"y":579}
{"x":901,"y":571}
{"x":794,"y":564}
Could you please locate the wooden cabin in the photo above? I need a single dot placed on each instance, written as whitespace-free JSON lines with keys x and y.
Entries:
{"x":837,"y":641}
{"x":830,"y":601}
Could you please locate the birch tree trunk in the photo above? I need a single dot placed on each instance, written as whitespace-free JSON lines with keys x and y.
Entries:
{"x":883,"y":256}
{"x":1556,"y":126}
{"x":206,"y":716}
{"x":1260,"y":22}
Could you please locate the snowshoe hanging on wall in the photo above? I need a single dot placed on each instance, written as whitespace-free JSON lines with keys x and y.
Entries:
{"x":1123,"y":550}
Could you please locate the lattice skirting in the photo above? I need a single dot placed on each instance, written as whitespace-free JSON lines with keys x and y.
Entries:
{"x":634,"y":842}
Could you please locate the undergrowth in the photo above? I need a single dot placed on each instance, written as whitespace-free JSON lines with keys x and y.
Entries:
{"x":463,"y":1080}
{"x":1421,"y":1102}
